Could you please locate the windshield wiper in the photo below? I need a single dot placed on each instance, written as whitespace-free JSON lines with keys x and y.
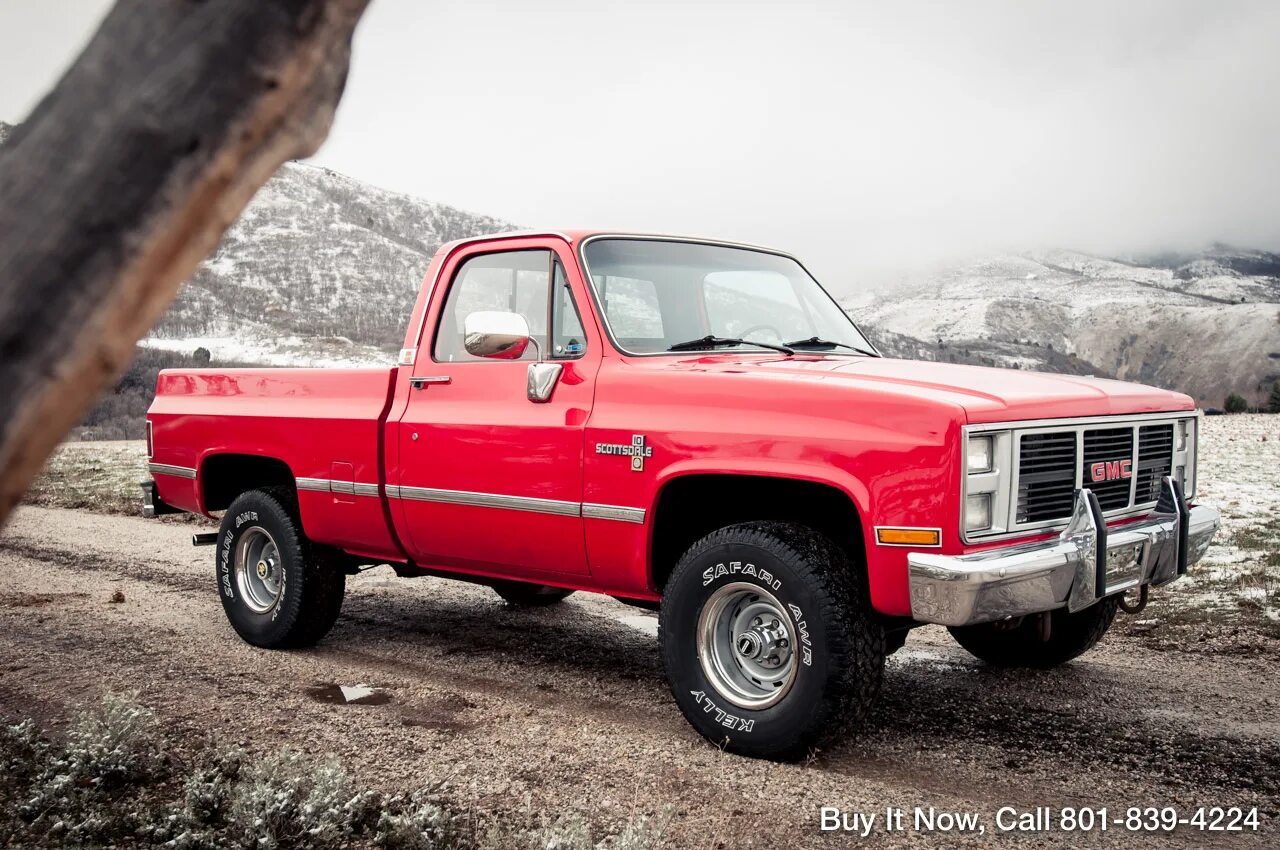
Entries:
{"x":818,"y":342}
{"x":711,"y":341}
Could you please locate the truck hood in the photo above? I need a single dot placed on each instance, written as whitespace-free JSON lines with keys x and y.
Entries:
{"x":985,"y":394}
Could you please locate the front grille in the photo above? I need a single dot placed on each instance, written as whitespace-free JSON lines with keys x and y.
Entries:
{"x":1101,"y":446}
{"x":1155,"y":450}
{"x":1039,"y":465}
{"x":1046,"y":476}
{"x":1052,"y":464}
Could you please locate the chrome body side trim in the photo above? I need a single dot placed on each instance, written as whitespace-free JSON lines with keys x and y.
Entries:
{"x":171,"y":469}
{"x":618,"y":513}
{"x":490,"y":500}
{"x":614,"y":512}
{"x":1087,"y":562}
{"x":347,"y":488}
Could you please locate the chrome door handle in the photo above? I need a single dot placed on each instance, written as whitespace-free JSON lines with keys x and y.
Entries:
{"x":419,"y":383}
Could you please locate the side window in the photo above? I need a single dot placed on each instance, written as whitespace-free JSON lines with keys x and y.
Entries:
{"x":570,"y":341}
{"x":632,"y":307}
{"x":511,"y":281}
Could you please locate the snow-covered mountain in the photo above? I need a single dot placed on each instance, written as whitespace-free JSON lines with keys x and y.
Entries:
{"x":320,"y":270}
{"x":1207,"y":324}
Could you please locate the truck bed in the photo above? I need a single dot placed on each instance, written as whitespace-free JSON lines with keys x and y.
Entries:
{"x":214,"y":424}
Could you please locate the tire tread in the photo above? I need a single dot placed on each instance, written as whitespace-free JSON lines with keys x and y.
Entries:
{"x":853,"y":637}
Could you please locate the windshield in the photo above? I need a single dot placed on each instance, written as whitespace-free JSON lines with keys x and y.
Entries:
{"x":656,"y":294}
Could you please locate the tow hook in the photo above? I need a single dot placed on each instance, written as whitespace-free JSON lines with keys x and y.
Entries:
{"x":1134,"y":607}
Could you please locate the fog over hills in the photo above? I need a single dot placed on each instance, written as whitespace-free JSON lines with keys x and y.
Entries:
{"x":323,"y":270}
{"x":1206,"y":324}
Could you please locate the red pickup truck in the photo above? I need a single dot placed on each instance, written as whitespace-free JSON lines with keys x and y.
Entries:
{"x":694,"y":426}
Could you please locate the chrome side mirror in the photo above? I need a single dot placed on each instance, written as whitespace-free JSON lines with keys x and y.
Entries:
{"x":496,"y":335}
{"x":505,"y":336}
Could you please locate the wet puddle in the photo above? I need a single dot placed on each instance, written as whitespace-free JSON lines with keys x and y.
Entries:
{"x":335,"y":694}
{"x":441,"y":715}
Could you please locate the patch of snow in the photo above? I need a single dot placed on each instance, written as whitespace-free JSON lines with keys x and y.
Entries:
{"x":646,"y":623}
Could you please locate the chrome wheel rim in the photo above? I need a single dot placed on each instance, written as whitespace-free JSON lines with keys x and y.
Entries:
{"x":746,"y":645}
{"x":259,"y":573}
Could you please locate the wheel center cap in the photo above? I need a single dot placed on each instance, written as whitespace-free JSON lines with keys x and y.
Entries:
{"x":766,"y":644}
{"x":262,"y":569}
{"x":749,"y":644}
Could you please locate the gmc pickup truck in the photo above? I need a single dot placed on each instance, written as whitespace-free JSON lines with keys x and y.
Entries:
{"x":696,"y":427}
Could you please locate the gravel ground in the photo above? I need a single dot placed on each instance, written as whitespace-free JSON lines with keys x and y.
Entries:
{"x":524,"y":713}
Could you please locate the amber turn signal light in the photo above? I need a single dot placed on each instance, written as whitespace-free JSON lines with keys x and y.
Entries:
{"x":909,"y":536}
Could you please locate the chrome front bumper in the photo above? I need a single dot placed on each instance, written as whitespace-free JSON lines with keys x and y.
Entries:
{"x":1087,"y":562}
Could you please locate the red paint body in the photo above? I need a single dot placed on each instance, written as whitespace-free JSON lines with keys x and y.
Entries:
{"x":884,"y":432}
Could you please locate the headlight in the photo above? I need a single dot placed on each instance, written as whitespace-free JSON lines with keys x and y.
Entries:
{"x":988,"y":461}
{"x":1184,"y":455}
{"x":979,"y":454}
{"x":977,"y":512}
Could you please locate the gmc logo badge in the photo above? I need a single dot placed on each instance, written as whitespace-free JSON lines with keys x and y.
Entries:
{"x":1111,"y":470}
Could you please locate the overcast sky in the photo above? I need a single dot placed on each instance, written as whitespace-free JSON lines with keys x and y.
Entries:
{"x":864,"y":137}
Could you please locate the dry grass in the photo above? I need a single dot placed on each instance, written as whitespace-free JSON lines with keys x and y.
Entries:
{"x":96,"y":476}
{"x":1234,"y":593}
{"x":117,"y":779}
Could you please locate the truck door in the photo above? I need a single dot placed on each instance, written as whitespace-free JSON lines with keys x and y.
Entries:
{"x":489,"y":480}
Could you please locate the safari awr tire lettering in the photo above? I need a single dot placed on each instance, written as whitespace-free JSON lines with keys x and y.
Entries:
{"x":778,"y":651}
{"x":278,"y":589}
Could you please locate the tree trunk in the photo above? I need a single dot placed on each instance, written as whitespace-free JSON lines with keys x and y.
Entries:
{"x":126,"y":176}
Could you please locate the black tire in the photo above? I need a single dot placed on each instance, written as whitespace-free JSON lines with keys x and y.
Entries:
{"x":311,"y":580}
{"x":895,"y":640}
{"x":1070,"y":635}
{"x":525,"y":595}
{"x":838,"y":657}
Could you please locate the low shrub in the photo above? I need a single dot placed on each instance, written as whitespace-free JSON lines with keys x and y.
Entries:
{"x":114,"y":779}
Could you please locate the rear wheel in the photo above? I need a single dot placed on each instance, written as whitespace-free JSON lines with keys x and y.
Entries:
{"x":768,"y":640}
{"x":1027,"y":645}
{"x":526,"y":595}
{"x":278,"y":590}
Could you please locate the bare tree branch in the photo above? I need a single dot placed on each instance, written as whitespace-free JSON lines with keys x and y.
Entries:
{"x":126,"y":176}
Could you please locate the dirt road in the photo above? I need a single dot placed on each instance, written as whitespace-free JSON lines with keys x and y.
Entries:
{"x":566,"y":708}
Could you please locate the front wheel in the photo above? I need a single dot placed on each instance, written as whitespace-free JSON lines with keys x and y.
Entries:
{"x":768,"y":639}
{"x":1027,"y":645}
{"x":277,"y":589}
